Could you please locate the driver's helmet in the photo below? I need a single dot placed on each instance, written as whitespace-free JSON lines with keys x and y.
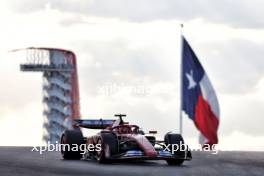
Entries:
{"x":125,"y":129}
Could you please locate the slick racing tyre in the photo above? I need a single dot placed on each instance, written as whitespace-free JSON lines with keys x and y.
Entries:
{"x":177,"y":139}
{"x":109,"y":147}
{"x":71,"y":140}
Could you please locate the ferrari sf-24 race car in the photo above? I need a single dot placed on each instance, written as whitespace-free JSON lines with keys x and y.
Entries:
{"x":118,"y":140}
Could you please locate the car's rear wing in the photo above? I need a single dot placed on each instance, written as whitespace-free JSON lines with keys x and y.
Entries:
{"x":94,"y":124}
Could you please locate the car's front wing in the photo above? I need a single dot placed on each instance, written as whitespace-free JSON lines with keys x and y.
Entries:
{"x":139,"y":155}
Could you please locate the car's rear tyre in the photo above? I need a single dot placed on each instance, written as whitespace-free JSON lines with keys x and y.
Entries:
{"x":70,"y":140}
{"x":109,"y":147}
{"x":177,"y":139}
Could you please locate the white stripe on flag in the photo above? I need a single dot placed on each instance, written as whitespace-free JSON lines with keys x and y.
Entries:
{"x":209,"y":95}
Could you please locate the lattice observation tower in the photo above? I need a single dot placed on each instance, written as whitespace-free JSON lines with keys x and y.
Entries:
{"x":60,"y":88}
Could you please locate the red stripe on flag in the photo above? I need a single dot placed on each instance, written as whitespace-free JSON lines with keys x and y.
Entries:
{"x":206,"y":121}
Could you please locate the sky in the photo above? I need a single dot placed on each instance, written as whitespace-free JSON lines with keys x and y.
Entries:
{"x":128,"y":55}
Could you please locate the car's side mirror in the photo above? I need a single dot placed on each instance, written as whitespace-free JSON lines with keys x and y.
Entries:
{"x":153,"y":132}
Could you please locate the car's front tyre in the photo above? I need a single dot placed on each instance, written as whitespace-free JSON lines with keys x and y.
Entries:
{"x":109,"y":147}
{"x":175,"y":139}
{"x":69,"y":140}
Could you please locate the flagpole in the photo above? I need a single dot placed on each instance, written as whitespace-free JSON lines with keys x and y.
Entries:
{"x":180,"y":110}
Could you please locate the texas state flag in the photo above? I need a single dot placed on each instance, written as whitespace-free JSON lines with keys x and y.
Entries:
{"x":199,"y":100}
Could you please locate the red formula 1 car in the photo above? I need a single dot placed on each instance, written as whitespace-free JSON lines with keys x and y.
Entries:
{"x":119,"y":140}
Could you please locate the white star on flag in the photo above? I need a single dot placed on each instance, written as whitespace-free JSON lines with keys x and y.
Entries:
{"x":192,"y":83}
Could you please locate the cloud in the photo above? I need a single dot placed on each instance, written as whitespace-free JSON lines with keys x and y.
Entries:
{"x":22,"y":126}
{"x":238,"y":60}
{"x":244,"y":14}
{"x":116,"y":63}
{"x":16,"y":87}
